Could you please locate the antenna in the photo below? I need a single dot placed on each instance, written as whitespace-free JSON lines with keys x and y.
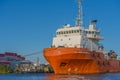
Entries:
{"x":79,"y":21}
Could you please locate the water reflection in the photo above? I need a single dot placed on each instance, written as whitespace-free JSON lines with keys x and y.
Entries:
{"x":74,"y":77}
{"x":44,"y":76}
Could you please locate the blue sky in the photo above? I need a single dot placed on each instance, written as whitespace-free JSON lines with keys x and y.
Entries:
{"x":28,"y":26}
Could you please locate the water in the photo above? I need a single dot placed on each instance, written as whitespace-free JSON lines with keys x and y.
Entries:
{"x":41,"y":76}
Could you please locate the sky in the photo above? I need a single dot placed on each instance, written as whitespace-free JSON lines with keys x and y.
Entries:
{"x":28,"y":26}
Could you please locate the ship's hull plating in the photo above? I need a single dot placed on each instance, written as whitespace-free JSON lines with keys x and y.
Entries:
{"x":79,"y":61}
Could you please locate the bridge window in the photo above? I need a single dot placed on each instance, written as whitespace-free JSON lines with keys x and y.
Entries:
{"x":57,"y":33}
{"x":69,"y":31}
{"x":72,"y":31}
{"x":98,"y":33}
{"x":60,"y":32}
{"x":86,"y":32}
{"x":93,"y":32}
{"x":89,"y":32}
{"x":77,"y":31}
{"x":80,"y":30}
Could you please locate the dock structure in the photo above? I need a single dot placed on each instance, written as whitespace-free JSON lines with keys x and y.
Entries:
{"x":30,"y":68}
{"x":18,"y":64}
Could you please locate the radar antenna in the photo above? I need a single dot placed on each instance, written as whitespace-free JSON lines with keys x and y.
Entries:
{"x":79,"y":21}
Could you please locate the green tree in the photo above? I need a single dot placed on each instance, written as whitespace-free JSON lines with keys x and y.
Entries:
{"x":4,"y":69}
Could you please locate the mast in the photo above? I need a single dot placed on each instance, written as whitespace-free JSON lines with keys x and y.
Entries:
{"x":79,"y":21}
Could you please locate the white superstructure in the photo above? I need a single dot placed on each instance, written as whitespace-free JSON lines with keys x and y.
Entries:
{"x":78,"y":36}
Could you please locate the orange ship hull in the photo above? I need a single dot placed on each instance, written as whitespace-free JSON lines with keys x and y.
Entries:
{"x":79,"y":61}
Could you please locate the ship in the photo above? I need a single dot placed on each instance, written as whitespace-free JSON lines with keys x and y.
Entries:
{"x":77,"y":50}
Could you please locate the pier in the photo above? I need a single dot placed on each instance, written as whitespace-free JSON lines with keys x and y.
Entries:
{"x":13,"y":63}
{"x":42,"y":68}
